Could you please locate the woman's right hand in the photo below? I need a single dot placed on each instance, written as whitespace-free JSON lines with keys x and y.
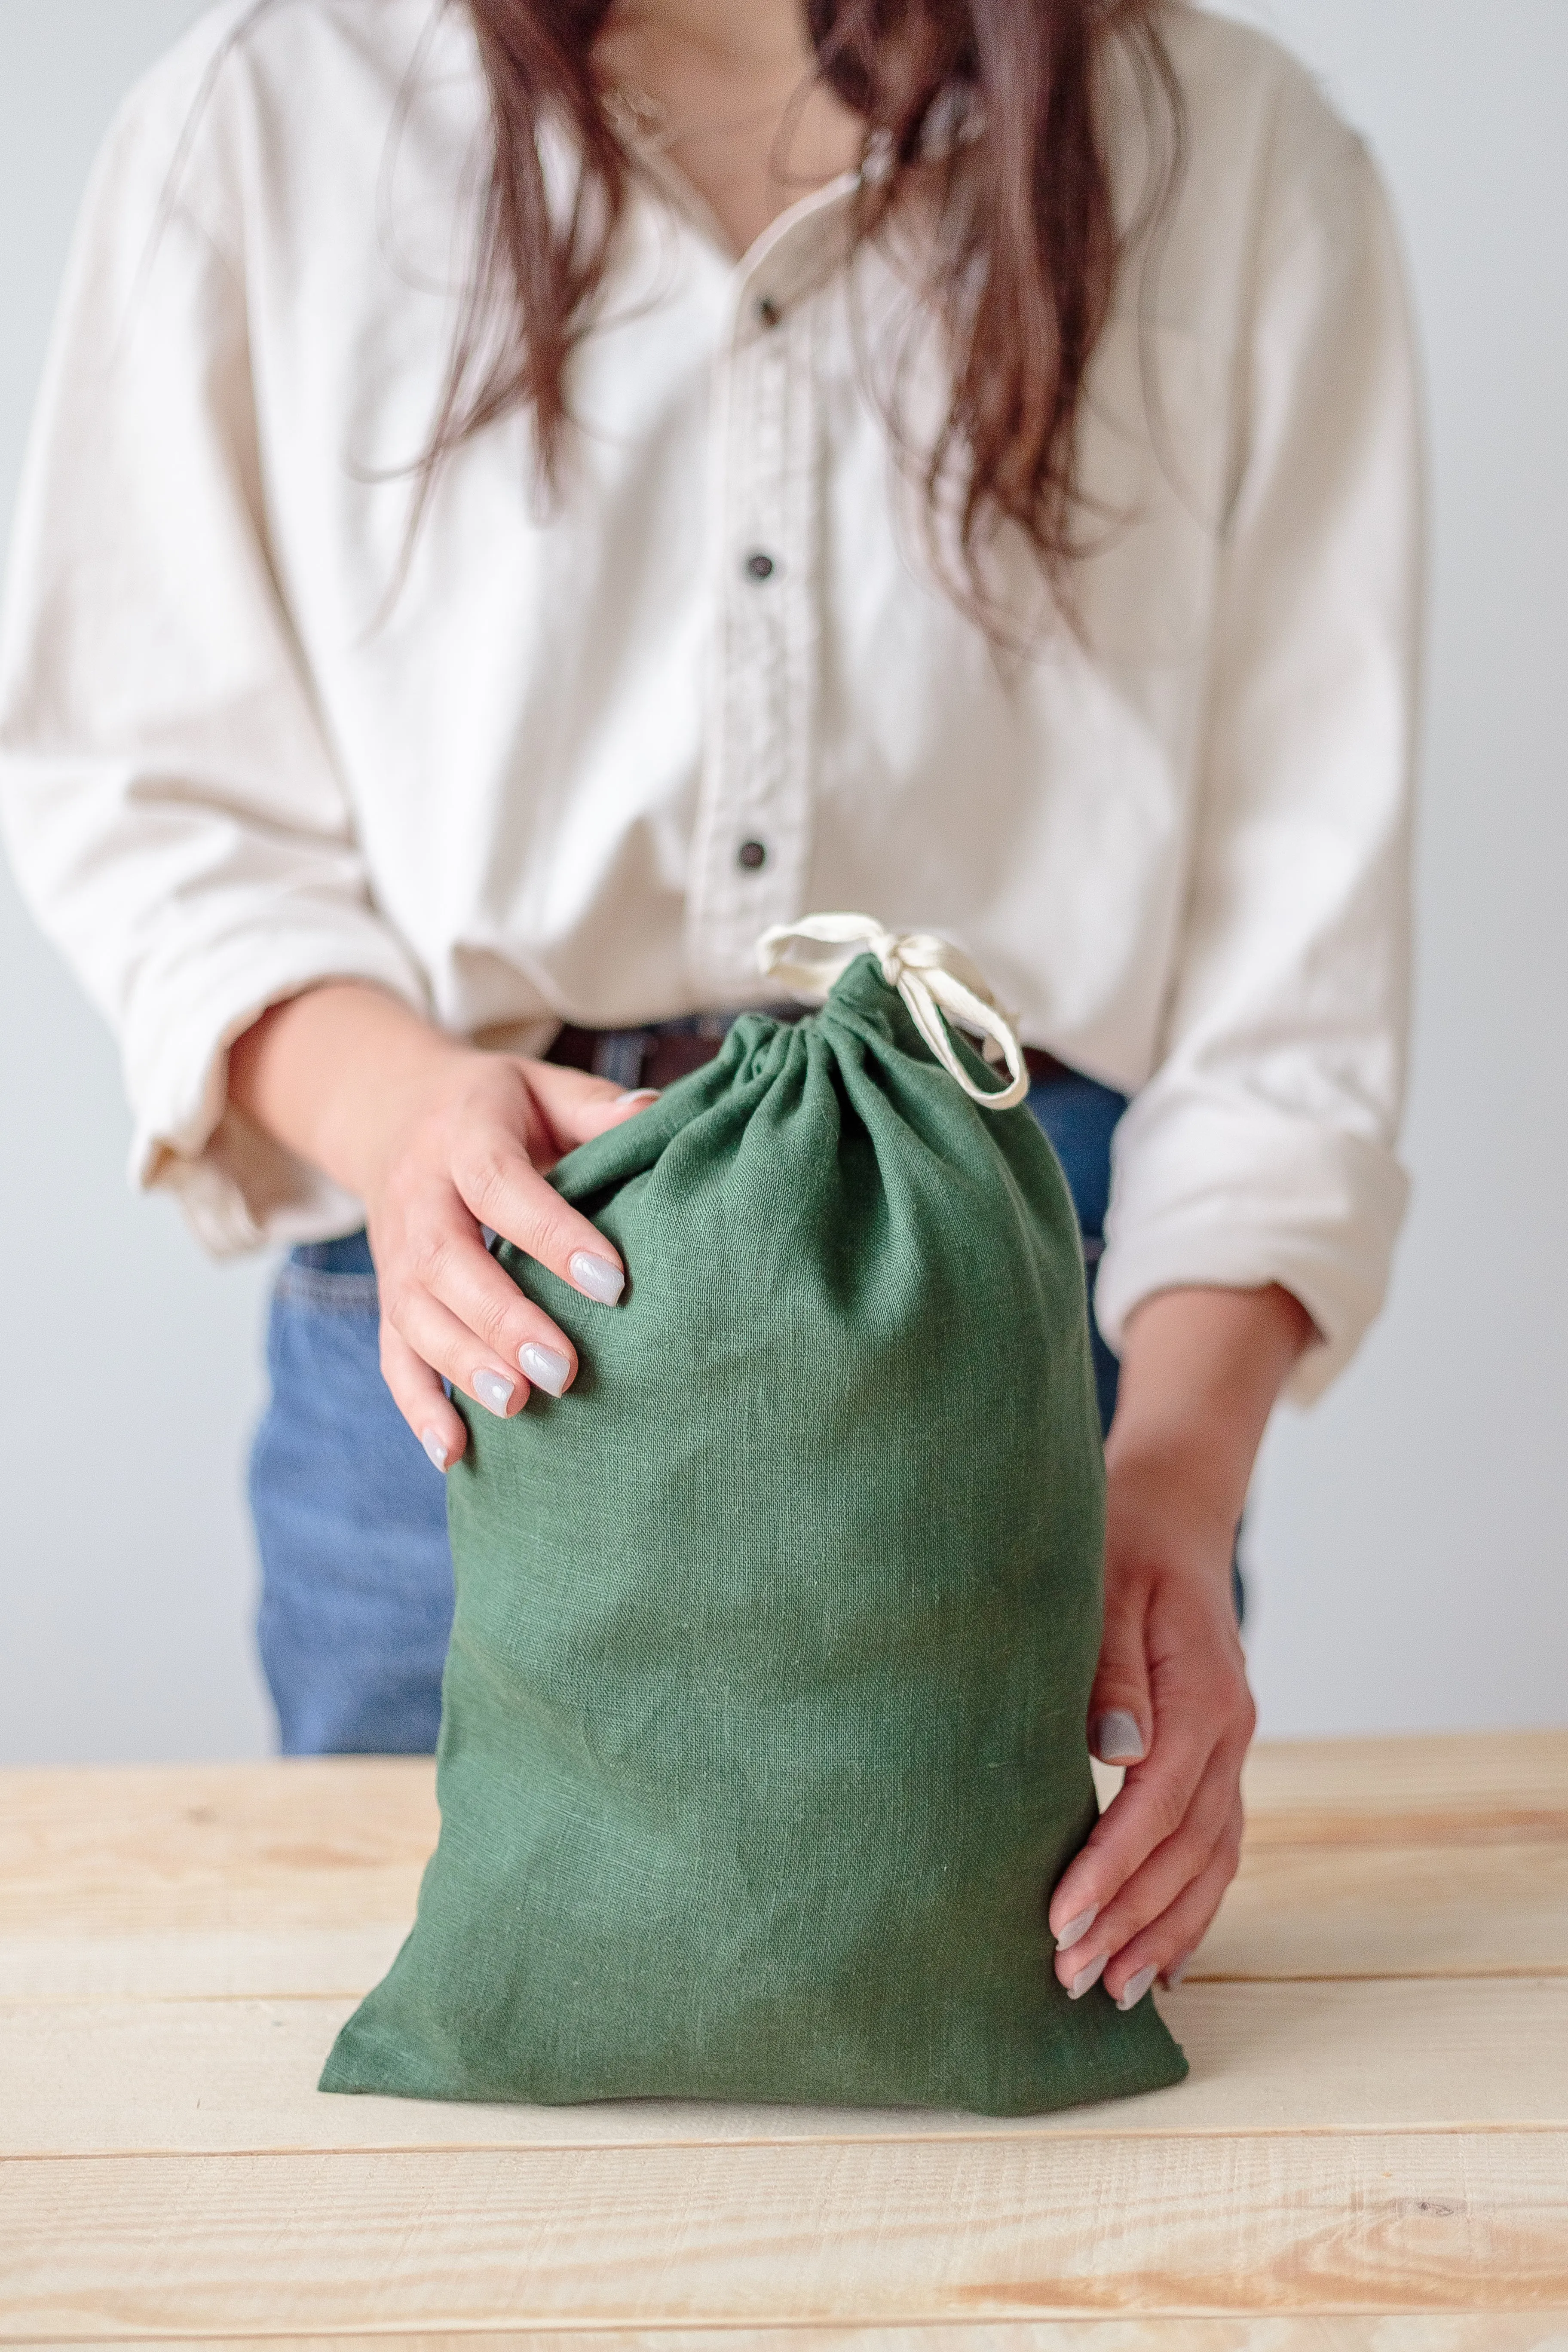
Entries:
{"x":439,"y":1139}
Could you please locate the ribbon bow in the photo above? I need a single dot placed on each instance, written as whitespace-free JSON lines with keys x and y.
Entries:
{"x":931,"y":975}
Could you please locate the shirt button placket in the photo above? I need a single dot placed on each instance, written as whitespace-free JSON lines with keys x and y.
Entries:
{"x":766,"y":821}
{"x":754,"y":835}
{"x":764,"y":577}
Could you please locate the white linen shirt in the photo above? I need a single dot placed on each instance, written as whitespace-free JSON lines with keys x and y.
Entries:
{"x":238,"y":756}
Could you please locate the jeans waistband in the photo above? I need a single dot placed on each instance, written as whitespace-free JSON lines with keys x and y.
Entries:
{"x":349,"y":1256}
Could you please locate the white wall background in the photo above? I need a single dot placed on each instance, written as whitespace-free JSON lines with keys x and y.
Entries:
{"x":128,"y":1369}
{"x":1406,"y":1544}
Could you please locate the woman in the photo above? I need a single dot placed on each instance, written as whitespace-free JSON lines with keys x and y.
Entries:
{"x":527,"y":496}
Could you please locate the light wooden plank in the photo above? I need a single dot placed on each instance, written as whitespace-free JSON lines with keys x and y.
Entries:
{"x":301,"y":1878}
{"x":342,"y":1840}
{"x":246,"y":1964}
{"x":287,"y":1877}
{"x":339,"y":1842}
{"x":1294,"y":1911}
{"x":883,"y":2232}
{"x":1479,"y":1910}
{"x":1458,"y":1787}
{"x":126,"y":2078}
{"x":1420,"y":2332}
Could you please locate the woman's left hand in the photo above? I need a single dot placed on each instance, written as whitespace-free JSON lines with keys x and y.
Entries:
{"x":1200,"y":1373}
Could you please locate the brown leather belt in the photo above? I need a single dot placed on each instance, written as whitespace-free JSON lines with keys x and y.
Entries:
{"x":657,"y":1057}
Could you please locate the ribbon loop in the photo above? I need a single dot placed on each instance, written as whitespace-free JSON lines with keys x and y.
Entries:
{"x":934,"y":977}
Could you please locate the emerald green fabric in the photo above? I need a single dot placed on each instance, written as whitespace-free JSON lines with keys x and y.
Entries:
{"x":764,"y":1730}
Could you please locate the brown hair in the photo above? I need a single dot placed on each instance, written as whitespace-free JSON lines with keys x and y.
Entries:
{"x":1022,"y":267}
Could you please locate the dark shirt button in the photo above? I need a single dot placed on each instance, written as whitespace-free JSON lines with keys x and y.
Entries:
{"x":760,"y":566}
{"x":752,"y":855}
{"x":768,"y":311}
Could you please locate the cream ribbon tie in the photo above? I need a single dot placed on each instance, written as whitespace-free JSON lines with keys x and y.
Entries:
{"x":931,"y":975}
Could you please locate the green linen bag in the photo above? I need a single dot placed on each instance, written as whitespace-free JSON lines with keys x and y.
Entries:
{"x":762,"y":1740}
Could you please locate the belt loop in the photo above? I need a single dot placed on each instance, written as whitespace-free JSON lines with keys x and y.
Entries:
{"x":621,"y":1056}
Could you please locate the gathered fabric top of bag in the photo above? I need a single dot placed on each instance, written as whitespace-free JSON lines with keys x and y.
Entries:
{"x":929,"y":973}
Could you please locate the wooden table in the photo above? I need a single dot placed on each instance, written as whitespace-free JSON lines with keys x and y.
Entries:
{"x":1372,"y":2151}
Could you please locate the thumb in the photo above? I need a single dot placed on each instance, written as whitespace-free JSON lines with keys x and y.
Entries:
{"x":1121,"y":1716}
{"x":576,"y":1106}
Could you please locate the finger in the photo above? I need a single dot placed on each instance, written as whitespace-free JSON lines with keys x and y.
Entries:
{"x":1150,"y":1807}
{"x":1171,"y":1868}
{"x":421,"y":1400}
{"x":577,"y":1107}
{"x":450,"y":1261}
{"x":1121,"y":1712}
{"x":505,"y":1190}
{"x":451,"y":1350}
{"x":1169,"y":1942}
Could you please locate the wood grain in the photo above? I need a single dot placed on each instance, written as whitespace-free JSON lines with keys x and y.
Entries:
{"x":127,"y":2078}
{"x":1477,"y":1910}
{"x":1371,"y":2156}
{"x":1456,"y":1789}
{"x":301,"y":1878}
{"x":344,"y":1839}
{"x":1421,"y":2332}
{"x":211,"y":1848}
{"x":1483,"y":1910}
{"x":210,"y":1881}
{"x":244,"y":1964}
{"x":883,"y":2232}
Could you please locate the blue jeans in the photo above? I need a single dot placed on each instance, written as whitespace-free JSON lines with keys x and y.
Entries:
{"x":351,"y":1522}
{"x":351,"y":1519}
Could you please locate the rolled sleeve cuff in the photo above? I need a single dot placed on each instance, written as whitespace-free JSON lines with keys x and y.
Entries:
{"x":1237,"y":1199}
{"x":239,"y":1189}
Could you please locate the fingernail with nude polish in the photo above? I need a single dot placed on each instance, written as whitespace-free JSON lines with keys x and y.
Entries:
{"x":1133,"y":1990}
{"x":1076,"y":1929}
{"x":436,"y":1447}
{"x":1177,"y":1970}
{"x":1116,"y":1738}
{"x":639,"y":1094}
{"x":598,"y":1278}
{"x":545,"y":1368}
{"x":494,"y":1393}
{"x":1087,"y":1977}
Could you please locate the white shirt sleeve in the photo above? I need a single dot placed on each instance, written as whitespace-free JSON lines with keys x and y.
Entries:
{"x":170,"y":801}
{"x":1261,"y":1149}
